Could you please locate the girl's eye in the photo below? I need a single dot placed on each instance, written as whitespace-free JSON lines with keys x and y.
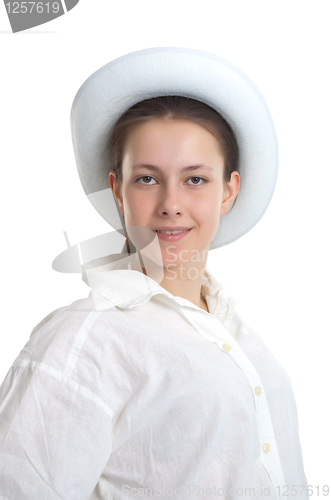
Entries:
{"x":196,"y":183}
{"x":146,"y":177}
{"x":146,"y":180}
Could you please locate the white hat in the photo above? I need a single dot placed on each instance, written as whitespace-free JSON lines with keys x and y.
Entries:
{"x":140,"y":75}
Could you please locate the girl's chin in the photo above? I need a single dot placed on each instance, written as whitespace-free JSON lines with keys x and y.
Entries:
{"x":172,"y":257}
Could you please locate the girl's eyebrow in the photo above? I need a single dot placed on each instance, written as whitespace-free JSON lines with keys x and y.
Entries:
{"x":157,"y":169}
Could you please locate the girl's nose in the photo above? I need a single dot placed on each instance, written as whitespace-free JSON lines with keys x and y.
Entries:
{"x":170,"y":203}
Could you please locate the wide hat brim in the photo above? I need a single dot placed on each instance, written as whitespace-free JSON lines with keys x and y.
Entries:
{"x":140,"y":75}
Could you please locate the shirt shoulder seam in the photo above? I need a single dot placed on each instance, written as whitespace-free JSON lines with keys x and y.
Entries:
{"x":66,"y":379}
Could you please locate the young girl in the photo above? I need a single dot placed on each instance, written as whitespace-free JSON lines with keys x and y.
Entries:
{"x":153,"y":386}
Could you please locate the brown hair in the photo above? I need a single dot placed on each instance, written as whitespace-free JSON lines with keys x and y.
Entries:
{"x":173,"y":107}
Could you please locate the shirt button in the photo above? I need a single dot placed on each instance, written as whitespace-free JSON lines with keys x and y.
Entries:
{"x":226,"y":347}
{"x":266,"y":448}
{"x":258,"y":390}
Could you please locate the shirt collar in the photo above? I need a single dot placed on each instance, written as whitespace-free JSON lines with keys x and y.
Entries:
{"x":118,"y":278}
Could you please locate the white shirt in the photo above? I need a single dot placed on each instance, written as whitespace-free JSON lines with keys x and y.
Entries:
{"x":133,"y":392}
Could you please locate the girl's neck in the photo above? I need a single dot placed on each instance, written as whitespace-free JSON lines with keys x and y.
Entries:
{"x":189,"y":289}
{"x":179,"y":282}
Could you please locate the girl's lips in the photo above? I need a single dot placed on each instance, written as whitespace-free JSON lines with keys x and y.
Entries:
{"x":172,"y":237}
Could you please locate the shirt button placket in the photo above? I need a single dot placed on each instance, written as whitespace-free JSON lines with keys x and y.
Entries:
{"x":258,"y":390}
{"x":266,"y":447}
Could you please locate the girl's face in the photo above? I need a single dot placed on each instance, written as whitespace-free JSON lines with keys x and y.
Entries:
{"x":173,"y":180}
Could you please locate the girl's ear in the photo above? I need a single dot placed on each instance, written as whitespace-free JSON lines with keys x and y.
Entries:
{"x":231,"y":189}
{"x":116,"y":187}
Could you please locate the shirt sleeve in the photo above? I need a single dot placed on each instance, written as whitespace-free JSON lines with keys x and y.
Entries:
{"x":55,"y":435}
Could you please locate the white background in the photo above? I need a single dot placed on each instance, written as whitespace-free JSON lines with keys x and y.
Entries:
{"x":279,"y":272}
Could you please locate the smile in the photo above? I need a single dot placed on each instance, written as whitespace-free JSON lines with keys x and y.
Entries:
{"x":171,"y":232}
{"x":172,"y":236}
